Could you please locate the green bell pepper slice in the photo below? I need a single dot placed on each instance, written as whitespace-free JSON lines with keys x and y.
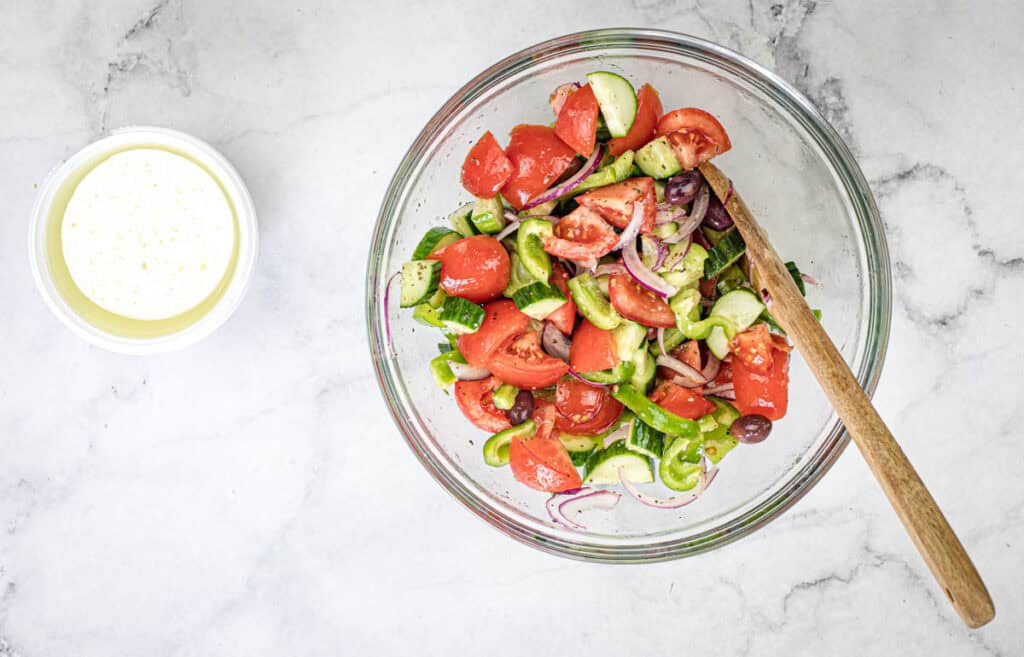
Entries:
{"x":496,"y":447}
{"x":654,"y":415}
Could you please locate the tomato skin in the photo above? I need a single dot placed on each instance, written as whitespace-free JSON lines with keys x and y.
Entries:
{"x":521,"y":362}
{"x":754,"y":348}
{"x":577,"y":121}
{"x":648,"y":110}
{"x":476,"y":401}
{"x":615,"y":202}
{"x":564,"y":318}
{"x":695,"y":135}
{"x":684,"y":402}
{"x":581,"y":235}
{"x":689,"y":353}
{"x":584,"y":410}
{"x":486,"y":167}
{"x":538,"y":158}
{"x":638,"y":304}
{"x":763,"y":394}
{"x":502,"y":321}
{"x":541,"y":461}
{"x":593,"y":349}
{"x":475,"y":268}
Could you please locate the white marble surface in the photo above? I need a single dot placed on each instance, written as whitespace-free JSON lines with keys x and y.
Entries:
{"x":217,"y":501}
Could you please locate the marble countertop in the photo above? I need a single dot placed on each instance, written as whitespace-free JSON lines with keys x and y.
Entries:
{"x":210,"y":502}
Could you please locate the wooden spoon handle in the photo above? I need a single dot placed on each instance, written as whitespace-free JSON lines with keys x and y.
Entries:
{"x":931,"y":533}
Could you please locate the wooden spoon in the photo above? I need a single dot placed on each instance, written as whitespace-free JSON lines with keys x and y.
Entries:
{"x":914,"y":505}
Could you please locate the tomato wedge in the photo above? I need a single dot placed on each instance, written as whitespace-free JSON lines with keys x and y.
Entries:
{"x":476,"y":401}
{"x":689,"y":353}
{"x":684,"y":402}
{"x":593,"y":349}
{"x":538,"y":158}
{"x":695,"y":135}
{"x":486,"y":167}
{"x":638,"y":304}
{"x":475,"y":268}
{"x":754,"y":348}
{"x":581,"y":235}
{"x":541,"y":461}
{"x":502,"y":321}
{"x":520,"y":361}
{"x":564,"y":318}
{"x":584,"y":410}
{"x":615,"y":202}
{"x":764,"y":394}
{"x":648,"y":110}
{"x":577,"y":121}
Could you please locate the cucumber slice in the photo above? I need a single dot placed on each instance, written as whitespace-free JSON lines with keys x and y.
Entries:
{"x":460,"y":221}
{"x":505,"y":397}
{"x":687,"y":271}
{"x":580,"y":447}
{"x":420,"y":280}
{"x":530,"y":247}
{"x":615,"y":172}
{"x":488,"y":215}
{"x":657,"y":159}
{"x":542,"y":210}
{"x":665,"y":230}
{"x":603,"y":466}
{"x":592,"y":304}
{"x":742,"y":308}
{"x":518,"y":276}
{"x":496,"y":447}
{"x":435,"y":239}
{"x":538,"y":300}
{"x":461,"y":316}
{"x":731,"y":279}
{"x":794,"y":271}
{"x":437,"y":300}
{"x":680,"y":464}
{"x":644,"y":371}
{"x":617,"y":100}
{"x":645,"y":440}
{"x":727,"y":251}
{"x":428,"y":315}
{"x":718,"y":442}
{"x":621,"y":373}
{"x":628,"y":337}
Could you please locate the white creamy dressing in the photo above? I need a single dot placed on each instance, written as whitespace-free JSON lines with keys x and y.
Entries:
{"x":147,"y":234}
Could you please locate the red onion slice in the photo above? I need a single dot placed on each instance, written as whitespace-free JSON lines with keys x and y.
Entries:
{"x":644,"y":276}
{"x":690,"y":377}
{"x":669,"y":214}
{"x":387,"y":309}
{"x":711,"y":370}
{"x":512,"y":226}
{"x":560,"y":505}
{"x":810,"y":280}
{"x":554,"y":342}
{"x":610,"y":268}
{"x":720,"y":389}
{"x":679,"y":501}
{"x":700,"y":203}
{"x":464,"y":372}
{"x":589,"y":167}
{"x":633,"y":228}
{"x":661,"y":340}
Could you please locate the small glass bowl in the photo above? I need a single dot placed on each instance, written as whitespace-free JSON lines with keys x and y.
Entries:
{"x":793,"y":171}
{"x":99,"y":326}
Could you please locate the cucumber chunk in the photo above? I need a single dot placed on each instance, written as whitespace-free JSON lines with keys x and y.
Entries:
{"x":580,"y":448}
{"x":428,"y":315}
{"x":657,"y":159}
{"x":488,"y":215}
{"x":645,"y":440}
{"x":592,"y":304}
{"x":538,"y":300}
{"x":518,"y":276}
{"x":617,"y":99}
{"x":615,"y":172}
{"x":461,"y":316}
{"x":442,"y":371}
{"x":434,"y":240}
{"x":741,"y":308}
{"x":727,"y":251}
{"x":603,"y":466}
{"x":530,"y":247}
{"x":686,"y":272}
{"x":420,"y":280}
{"x":628,"y":336}
{"x":645,"y":368}
{"x":496,"y":447}
{"x":460,"y":221}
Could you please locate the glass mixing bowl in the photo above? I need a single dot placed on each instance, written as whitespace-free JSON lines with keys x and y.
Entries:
{"x":801,"y":182}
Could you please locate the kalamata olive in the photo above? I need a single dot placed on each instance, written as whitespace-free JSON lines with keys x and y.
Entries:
{"x":717,"y":218}
{"x":751,"y":428}
{"x":680,"y":189}
{"x":522,"y":409}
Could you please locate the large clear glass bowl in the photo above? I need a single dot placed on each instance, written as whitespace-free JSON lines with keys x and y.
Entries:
{"x":800,"y":181}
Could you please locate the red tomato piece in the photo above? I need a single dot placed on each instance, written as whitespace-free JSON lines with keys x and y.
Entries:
{"x":476,"y":401}
{"x":639,"y":304}
{"x":564,"y":318}
{"x":577,"y":121}
{"x":593,"y":349}
{"x":754,"y":348}
{"x":584,"y":410}
{"x":581,"y":235}
{"x":560,"y":95}
{"x":486,"y":167}
{"x":502,"y":321}
{"x":475,"y":268}
{"x":695,"y":135}
{"x":763,"y":394}
{"x":542,"y":462}
{"x":648,"y":110}
{"x":538,"y":158}
{"x":521,"y":362}
{"x":615,"y":202}
{"x":684,"y":402}
{"x":689,"y":353}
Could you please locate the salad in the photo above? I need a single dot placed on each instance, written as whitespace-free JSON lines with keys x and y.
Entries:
{"x":600,"y":318}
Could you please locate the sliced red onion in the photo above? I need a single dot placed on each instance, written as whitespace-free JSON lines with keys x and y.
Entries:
{"x":767,"y":298}
{"x":589,"y":167}
{"x":574,"y":374}
{"x":721,"y":390}
{"x":387,"y":309}
{"x":561,"y":94}
{"x":610,"y":268}
{"x":554,"y":342}
{"x":580,"y":266}
{"x":677,"y":237}
{"x":674,"y":262}
{"x":464,"y":372}
{"x":662,"y":254}
{"x":513,"y":226}
{"x":651,"y":247}
{"x":711,"y":370}
{"x":644,"y":276}
{"x":661,"y":340}
{"x":633,"y":228}
{"x":679,"y":501}
{"x":810,"y":280}
{"x":689,"y":377}
{"x":669,"y":214}
{"x":562,"y":504}
{"x":700,"y":203}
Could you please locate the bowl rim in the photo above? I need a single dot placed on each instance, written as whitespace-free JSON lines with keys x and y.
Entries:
{"x":877,"y":272}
